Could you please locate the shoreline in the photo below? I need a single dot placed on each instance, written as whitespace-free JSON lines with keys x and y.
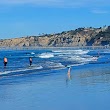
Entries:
{"x":34,"y":48}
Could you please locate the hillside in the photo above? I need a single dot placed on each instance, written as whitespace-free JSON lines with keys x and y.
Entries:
{"x":79,"y":37}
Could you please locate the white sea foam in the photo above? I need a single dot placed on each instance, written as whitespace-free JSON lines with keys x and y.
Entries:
{"x":79,"y":51}
{"x":55,"y":65}
{"x":32,"y":53}
{"x":81,"y":59}
{"x":21,"y":70}
{"x":46,"y":55}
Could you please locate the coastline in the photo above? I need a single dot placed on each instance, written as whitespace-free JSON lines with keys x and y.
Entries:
{"x":74,"y":47}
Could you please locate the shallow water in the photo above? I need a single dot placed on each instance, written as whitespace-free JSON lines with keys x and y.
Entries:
{"x":50,"y":87}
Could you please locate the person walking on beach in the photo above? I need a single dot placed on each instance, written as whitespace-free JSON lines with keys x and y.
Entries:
{"x":30,"y":60}
{"x":5,"y":61}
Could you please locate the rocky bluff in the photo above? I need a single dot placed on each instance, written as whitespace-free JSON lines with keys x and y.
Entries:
{"x":79,"y":37}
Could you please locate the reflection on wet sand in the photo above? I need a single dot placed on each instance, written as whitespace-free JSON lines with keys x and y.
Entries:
{"x":94,"y":78}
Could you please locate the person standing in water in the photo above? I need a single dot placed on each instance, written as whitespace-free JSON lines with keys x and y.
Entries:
{"x":30,"y":60}
{"x":68,"y":73}
{"x":5,"y":61}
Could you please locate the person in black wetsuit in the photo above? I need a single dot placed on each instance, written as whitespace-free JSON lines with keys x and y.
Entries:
{"x":30,"y":61}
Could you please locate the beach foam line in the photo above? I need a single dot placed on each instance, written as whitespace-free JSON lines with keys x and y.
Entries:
{"x":20,"y":70}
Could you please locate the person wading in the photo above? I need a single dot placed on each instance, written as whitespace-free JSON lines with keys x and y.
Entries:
{"x":30,"y":61}
{"x":5,"y":61}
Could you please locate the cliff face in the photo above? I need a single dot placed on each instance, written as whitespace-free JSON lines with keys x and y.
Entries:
{"x":78,"y":37}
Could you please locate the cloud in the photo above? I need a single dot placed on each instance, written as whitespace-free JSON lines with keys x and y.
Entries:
{"x":97,"y":11}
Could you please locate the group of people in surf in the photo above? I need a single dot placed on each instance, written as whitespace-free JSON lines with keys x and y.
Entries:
{"x":5,"y":61}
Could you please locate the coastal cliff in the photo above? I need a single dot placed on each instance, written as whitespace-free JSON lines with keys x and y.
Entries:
{"x":79,"y":37}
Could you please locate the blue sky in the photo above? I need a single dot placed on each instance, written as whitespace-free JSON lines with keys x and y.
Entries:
{"x":20,"y":18}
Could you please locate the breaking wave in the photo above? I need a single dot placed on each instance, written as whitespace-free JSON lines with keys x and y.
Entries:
{"x":20,"y":70}
{"x":46,"y":55}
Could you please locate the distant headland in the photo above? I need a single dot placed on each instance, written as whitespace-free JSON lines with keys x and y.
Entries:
{"x":78,"y":37}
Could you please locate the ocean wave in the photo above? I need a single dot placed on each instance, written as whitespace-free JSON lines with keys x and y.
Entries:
{"x":32,"y":53}
{"x":54,"y":65}
{"x":70,"y":51}
{"x":20,"y":70}
{"x":82,"y":59}
{"x":46,"y":55}
{"x":81,"y":51}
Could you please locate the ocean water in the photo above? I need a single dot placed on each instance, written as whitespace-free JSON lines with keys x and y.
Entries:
{"x":47,"y":85}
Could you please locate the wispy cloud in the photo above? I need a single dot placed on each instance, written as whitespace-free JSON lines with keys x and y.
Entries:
{"x":97,"y":11}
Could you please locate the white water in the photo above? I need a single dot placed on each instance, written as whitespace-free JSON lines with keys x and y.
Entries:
{"x":70,"y":51}
{"x":46,"y":55}
{"x":21,"y":70}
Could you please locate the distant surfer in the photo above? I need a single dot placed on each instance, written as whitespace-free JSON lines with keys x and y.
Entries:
{"x":30,"y":61}
{"x":5,"y":61}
